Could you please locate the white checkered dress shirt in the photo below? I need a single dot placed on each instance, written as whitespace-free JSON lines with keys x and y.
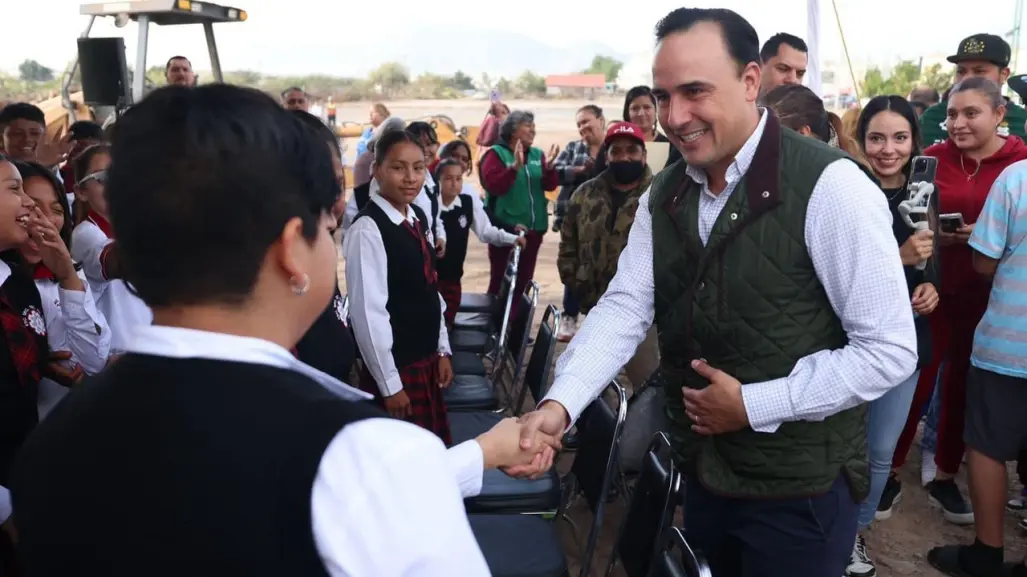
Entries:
{"x":850,"y":241}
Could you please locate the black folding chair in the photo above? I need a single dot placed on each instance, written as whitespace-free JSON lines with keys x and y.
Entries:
{"x":594,"y":470}
{"x":536,"y":374}
{"x":501,"y":493}
{"x":677,"y":558}
{"x":487,"y":342}
{"x":519,"y":545}
{"x":650,"y":512}
{"x":483,"y":303}
{"x":482,"y":392}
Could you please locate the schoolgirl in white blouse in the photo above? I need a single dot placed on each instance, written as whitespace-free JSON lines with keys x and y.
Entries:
{"x":77,"y":332}
{"x":93,"y":245}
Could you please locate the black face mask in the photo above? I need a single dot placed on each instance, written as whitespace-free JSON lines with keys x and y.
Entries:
{"x":627,"y":171}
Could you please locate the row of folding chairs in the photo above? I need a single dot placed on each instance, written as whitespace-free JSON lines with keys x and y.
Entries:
{"x":514,"y":520}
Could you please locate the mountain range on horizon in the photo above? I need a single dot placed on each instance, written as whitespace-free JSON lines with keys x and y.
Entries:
{"x":473,"y":51}
{"x":497,"y":53}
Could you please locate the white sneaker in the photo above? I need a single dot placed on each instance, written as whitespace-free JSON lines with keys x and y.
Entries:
{"x":860,"y":564}
{"x":928,"y":470}
{"x":568,"y":328}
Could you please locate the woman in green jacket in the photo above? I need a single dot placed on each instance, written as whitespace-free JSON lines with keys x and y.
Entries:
{"x":516,"y":176}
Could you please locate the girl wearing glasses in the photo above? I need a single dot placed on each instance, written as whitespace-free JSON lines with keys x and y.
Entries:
{"x":93,"y":245}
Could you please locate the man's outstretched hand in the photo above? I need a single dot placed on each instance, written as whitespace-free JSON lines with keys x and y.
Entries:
{"x":546,"y":424}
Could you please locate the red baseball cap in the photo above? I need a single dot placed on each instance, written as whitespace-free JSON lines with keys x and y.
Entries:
{"x":628,"y":129}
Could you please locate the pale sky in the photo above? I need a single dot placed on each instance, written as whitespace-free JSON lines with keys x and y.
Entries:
{"x":879,"y":31}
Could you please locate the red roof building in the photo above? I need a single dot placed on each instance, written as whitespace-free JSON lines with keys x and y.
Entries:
{"x":593,"y":81}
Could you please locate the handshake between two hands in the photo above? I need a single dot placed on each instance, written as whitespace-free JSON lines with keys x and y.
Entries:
{"x":525,"y":447}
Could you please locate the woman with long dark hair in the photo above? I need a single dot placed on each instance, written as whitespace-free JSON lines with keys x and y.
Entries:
{"x":23,"y":355}
{"x":77,"y":333}
{"x":889,"y":137}
{"x":640,"y":107}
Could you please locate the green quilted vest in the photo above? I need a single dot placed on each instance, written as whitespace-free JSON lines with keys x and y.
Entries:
{"x":525,"y":203}
{"x":750,"y":303}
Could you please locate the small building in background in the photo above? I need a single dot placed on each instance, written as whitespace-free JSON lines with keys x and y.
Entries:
{"x":585,"y":86}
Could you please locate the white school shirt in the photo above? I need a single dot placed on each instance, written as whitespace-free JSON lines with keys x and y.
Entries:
{"x":387,"y":499}
{"x":482,"y":225}
{"x":367,"y":281}
{"x":122,"y":309}
{"x":65,"y":331}
{"x":73,"y":324}
{"x":422,"y":201}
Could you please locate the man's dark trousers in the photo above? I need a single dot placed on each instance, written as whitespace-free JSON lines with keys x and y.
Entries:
{"x":803,"y":536}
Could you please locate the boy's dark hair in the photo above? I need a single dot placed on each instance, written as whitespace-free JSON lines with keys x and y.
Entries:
{"x":773,"y":45}
{"x":443,"y":165}
{"x":21,"y":111}
{"x":320,"y":129}
{"x":86,"y":130}
{"x":424,"y":131}
{"x":202,"y":183}
{"x":35,"y":170}
{"x":392,"y":138}
{"x":743,"y":44}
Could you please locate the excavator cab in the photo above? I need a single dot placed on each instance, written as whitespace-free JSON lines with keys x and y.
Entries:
{"x":161,"y":13}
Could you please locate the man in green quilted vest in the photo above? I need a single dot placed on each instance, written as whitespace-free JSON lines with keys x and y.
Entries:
{"x":767,"y":261}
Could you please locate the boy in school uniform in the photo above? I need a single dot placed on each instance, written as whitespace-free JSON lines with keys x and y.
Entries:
{"x":461,"y":213}
{"x":396,"y":309}
{"x":209,"y":449}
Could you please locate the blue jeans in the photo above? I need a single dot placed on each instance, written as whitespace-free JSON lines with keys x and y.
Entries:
{"x":929,"y":439}
{"x":887,"y":417}
{"x":571,"y":306}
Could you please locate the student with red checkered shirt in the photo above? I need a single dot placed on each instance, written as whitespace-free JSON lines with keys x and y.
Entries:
{"x":395,"y":306}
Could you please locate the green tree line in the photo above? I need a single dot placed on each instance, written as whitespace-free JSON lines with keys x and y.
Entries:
{"x":391,"y":80}
{"x":904,"y":77}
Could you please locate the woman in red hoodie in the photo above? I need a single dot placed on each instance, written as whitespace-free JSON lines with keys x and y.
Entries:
{"x":968,"y":163}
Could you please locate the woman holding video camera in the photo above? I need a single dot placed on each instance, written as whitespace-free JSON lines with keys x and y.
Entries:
{"x":969,"y":161}
{"x":888,"y":136}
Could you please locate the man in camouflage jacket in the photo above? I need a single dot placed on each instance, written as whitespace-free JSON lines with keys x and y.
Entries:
{"x":595,"y":229}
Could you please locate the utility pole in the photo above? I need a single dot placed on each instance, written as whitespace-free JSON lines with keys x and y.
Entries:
{"x":1014,"y":35}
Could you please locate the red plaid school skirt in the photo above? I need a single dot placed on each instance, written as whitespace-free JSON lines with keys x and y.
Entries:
{"x":421,"y":384}
{"x":451,"y":292}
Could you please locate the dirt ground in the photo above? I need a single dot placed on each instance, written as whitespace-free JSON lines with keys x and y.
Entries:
{"x":899,"y":545}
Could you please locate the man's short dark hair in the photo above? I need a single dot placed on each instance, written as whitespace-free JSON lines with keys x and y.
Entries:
{"x":201,"y":184}
{"x":773,"y":45}
{"x":743,"y":44}
{"x":174,"y":58}
{"x":86,"y":130}
{"x":925,"y":94}
{"x":294,"y":89}
{"x":21,"y":111}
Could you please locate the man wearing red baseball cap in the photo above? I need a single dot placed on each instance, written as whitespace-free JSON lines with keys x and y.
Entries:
{"x":600,"y":213}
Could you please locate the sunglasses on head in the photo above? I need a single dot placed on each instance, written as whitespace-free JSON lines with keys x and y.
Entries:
{"x":100,"y":177}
